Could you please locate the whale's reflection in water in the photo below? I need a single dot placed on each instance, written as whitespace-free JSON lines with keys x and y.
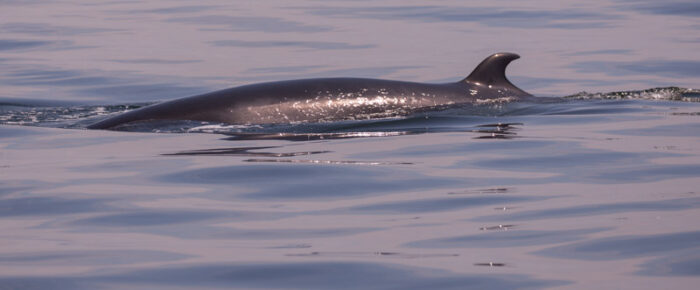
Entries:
{"x":308,"y":161}
{"x":242,"y":151}
{"x":313,"y":136}
{"x":484,"y":131}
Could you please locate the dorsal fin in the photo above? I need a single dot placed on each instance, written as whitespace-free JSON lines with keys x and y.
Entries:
{"x":492,"y":70}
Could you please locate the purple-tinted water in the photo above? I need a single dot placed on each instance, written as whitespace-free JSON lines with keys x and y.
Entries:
{"x":597,"y":191}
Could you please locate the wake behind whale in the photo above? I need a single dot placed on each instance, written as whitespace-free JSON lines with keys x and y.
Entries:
{"x":331,"y":99}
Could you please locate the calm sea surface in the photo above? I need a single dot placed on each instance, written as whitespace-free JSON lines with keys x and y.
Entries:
{"x":600,"y":189}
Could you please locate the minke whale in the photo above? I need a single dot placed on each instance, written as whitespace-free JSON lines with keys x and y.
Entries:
{"x":331,"y":99}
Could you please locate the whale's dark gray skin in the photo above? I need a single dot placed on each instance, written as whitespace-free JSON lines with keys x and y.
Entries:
{"x":331,"y":99}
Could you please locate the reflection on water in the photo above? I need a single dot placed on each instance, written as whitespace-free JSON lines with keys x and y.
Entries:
{"x":576,"y":192}
{"x":498,"y":227}
{"x":684,"y":263}
{"x":127,"y":209}
{"x":315,"y":275}
{"x":360,"y":254}
{"x":439,"y":204}
{"x":351,"y":162}
{"x":486,"y":191}
{"x":87,"y":257}
{"x":490,"y":264}
{"x":515,"y":238}
{"x":32,"y":206}
{"x":241,"y":151}
{"x":592,"y":190}
{"x":597,"y":209}
{"x":311,"y":136}
{"x":625,"y":247}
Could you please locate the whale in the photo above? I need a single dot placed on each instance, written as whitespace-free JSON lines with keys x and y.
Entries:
{"x":331,"y":99}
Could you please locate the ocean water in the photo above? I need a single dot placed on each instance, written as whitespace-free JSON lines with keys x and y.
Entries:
{"x":597,"y":188}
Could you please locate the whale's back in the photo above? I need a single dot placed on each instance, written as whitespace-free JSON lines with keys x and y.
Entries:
{"x":329,"y":99}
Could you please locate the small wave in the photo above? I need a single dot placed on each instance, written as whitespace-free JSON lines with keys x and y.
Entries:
{"x":61,"y":117}
{"x":661,"y":94}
